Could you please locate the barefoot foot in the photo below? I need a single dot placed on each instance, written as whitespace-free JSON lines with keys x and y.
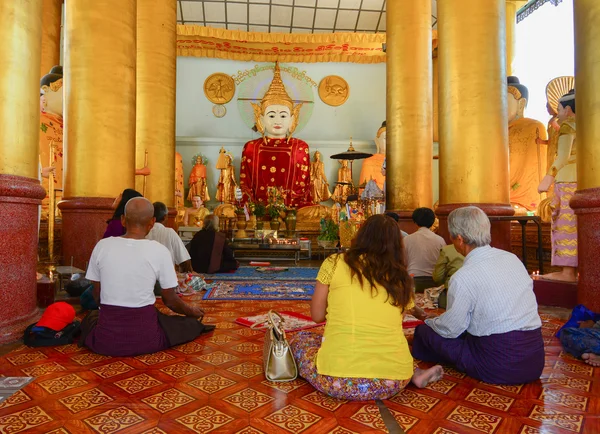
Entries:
{"x":567,"y":274}
{"x":591,"y":359}
{"x":422,"y":377}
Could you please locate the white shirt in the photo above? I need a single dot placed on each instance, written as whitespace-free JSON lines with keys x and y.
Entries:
{"x":492,"y":293}
{"x":169,"y":238}
{"x":422,"y":251}
{"x":127,"y":270}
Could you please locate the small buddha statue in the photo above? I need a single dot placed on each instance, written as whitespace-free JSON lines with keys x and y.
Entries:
{"x":197,"y":180}
{"x":373,"y":167}
{"x":342,"y":188}
{"x":276,"y":159}
{"x":194,"y":216}
{"x":179,"y":181}
{"x":227,"y":185}
{"x":527,"y":158}
{"x":319,"y":185}
{"x":563,"y":173}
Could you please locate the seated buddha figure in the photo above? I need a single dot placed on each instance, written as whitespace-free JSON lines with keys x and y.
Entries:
{"x":527,"y":157}
{"x":194,"y":216}
{"x":372,"y":166}
{"x":276,"y":159}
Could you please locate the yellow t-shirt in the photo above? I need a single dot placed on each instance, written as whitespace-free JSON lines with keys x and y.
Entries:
{"x":363,"y":336}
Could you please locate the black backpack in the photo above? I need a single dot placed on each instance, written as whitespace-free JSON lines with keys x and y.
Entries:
{"x":49,"y":338}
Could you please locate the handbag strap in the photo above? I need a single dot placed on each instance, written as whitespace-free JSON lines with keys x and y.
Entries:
{"x":278,"y":327}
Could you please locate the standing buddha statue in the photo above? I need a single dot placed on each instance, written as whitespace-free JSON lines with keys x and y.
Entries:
{"x":372,"y":166}
{"x":227,"y":185}
{"x":563,"y":173}
{"x":527,"y":158}
{"x":197,"y":180}
{"x":276,"y":159}
{"x":319,"y":185}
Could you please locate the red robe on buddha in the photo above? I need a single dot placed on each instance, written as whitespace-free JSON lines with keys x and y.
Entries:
{"x":276,"y":163}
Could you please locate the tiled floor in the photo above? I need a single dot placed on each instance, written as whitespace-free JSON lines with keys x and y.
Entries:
{"x":216,"y":385}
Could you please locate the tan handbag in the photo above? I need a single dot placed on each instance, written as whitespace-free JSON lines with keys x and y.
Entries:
{"x":278,"y":360}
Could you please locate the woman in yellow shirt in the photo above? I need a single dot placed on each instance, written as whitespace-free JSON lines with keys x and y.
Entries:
{"x":363,"y":294}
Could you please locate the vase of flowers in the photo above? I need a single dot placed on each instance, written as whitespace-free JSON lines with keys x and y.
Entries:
{"x":329,"y":234}
{"x":290,"y":222}
{"x":259,"y":210}
{"x":275,"y":206}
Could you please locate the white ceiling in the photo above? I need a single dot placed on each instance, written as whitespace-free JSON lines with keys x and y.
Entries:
{"x":289,"y":16}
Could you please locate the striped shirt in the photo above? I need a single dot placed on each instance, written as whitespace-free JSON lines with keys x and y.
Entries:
{"x":492,"y":293}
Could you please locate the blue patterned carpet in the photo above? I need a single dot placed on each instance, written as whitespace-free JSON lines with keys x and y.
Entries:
{"x":261,"y":290}
{"x":250,"y":273}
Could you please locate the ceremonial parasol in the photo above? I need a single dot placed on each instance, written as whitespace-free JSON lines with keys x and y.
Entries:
{"x":351,"y":154}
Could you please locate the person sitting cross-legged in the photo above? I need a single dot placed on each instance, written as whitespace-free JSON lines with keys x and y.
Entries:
{"x":169,"y":238}
{"x":123,"y":271}
{"x":363,"y":294}
{"x":491,"y":329}
{"x":209,"y":250}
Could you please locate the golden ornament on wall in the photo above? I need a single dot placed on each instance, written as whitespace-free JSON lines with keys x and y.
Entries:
{"x":219,"y":88}
{"x":334,"y":90}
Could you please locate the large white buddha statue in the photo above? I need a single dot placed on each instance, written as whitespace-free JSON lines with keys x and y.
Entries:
{"x":372,"y":166}
{"x":276,"y":159}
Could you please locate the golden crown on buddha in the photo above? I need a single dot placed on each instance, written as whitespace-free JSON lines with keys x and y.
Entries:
{"x":276,"y":95}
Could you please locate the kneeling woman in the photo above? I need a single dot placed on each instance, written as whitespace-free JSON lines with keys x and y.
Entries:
{"x":363,"y":294}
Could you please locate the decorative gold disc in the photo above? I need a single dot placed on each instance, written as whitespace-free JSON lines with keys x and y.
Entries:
{"x":219,"y":88}
{"x":219,"y":110}
{"x":334,"y":90}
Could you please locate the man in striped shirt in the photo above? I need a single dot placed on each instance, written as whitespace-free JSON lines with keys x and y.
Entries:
{"x":491,"y":329}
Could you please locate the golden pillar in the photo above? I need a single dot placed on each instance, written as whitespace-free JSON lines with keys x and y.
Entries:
{"x":99,"y":140}
{"x":586,"y":202}
{"x":409,"y":106}
{"x":51,"y":21}
{"x":155,"y":115}
{"x":473,"y":109}
{"x":436,"y":99}
{"x":20,"y":189}
{"x":512,"y":7}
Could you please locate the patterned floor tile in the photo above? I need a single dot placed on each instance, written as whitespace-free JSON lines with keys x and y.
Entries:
{"x":567,"y":399}
{"x":113,"y":420}
{"x":516,"y":388}
{"x":370,"y":416}
{"x":220,"y":339}
{"x":569,"y":382}
{"x":489,"y":399}
{"x":19,"y":397}
{"x":249,"y":430}
{"x":154,"y":430}
{"x":21,"y":420}
{"x":341,"y":430}
{"x":58,"y":431}
{"x":189,"y":348}
{"x":168,"y":400}
{"x":69,"y":349}
{"x":293,"y":419}
{"x":287,"y":386}
{"x":154,"y":358}
{"x":138,"y":383}
{"x":441,"y":430}
{"x":247,"y":332}
{"x":526,"y":429}
{"x":246,"y":369}
{"x":85,"y":400}
{"x":23,"y":358}
{"x":180,"y":369}
{"x":89,"y":358}
{"x":443,"y":386}
{"x":449,"y":370}
{"x":324,"y":401}
{"x":247,"y":347}
{"x":61,"y":384}
{"x":474,"y":419}
{"x":579,"y":368}
{"x":226,"y":325}
{"x":43,"y":369}
{"x":204,"y":420}
{"x":248,"y":399}
{"x":112,"y":369}
{"x":415,"y":400}
{"x":217,"y":358}
{"x":570,"y":422}
{"x":212,"y":383}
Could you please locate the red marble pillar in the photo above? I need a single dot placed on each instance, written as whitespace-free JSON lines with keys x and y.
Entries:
{"x":500,"y":230}
{"x":20,"y":198}
{"x":586,"y":204}
{"x":84,"y":222}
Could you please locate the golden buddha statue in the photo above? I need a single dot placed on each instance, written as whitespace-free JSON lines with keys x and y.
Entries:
{"x":527,"y":158}
{"x":179,"y":181}
{"x":227,"y":185}
{"x":342,"y":188}
{"x":194,"y":216}
{"x":319,"y":186}
{"x":276,"y":159}
{"x":555,"y":89}
{"x":197,"y":179}
{"x":372,"y":166}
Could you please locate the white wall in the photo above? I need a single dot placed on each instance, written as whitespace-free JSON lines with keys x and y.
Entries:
{"x":329,"y":129}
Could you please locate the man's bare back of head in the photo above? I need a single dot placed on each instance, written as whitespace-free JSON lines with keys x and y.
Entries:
{"x":139,"y":211}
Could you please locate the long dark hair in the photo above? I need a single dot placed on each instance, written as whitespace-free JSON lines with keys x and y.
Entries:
{"x":128,"y":193}
{"x":377,"y":254}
